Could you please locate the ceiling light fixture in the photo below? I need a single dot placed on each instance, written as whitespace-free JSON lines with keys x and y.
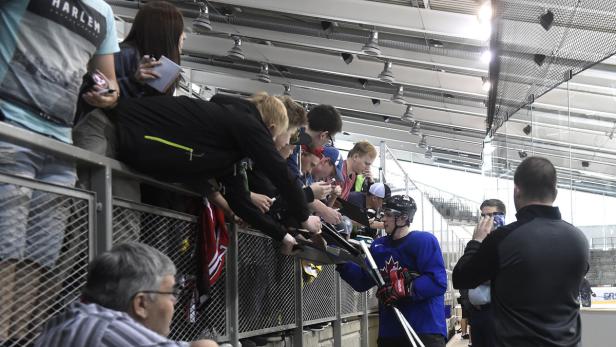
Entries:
{"x":522,"y":154}
{"x":435,"y":43}
{"x":386,"y":119}
{"x":415,"y":128}
{"x":539,"y":59}
{"x":408,"y":114}
{"x":527,"y":129}
{"x":485,"y":84}
{"x":287,"y":89}
{"x":386,"y":75}
{"x":372,"y":46}
{"x":202,"y":23}
{"x":428,"y":154}
{"x":398,"y":97}
{"x":422,"y":142}
{"x":236,"y":51}
{"x":546,"y":19}
{"x":347,"y":57}
{"x":263,"y":75}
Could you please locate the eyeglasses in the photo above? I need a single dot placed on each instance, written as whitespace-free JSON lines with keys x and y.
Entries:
{"x":177,"y":291}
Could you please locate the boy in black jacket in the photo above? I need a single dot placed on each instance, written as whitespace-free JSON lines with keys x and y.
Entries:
{"x":181,"y":139}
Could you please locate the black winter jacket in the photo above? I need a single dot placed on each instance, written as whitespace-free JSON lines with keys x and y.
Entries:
{"x":536,"y":265}
{"x":180,"y":139}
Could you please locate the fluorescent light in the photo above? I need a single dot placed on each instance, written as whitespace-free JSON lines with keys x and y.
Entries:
{"x":485,"y":84}
{"x":485,"y":12}
{"x":486,"y":56}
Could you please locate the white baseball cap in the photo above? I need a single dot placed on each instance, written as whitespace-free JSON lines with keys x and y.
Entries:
{"x":379,"y":190}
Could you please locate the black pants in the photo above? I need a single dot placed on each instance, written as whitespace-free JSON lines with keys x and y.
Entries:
{"x":429,"y":340}
{"x":482,"y":327}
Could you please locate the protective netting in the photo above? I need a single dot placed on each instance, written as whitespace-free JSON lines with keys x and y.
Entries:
{"x":320,"y":296}
{"x":45,"y":253}
{"x":351,"y":302}
{"x":266,"y":284}
{"x":530,"y":60}
{"x":174,"y":233}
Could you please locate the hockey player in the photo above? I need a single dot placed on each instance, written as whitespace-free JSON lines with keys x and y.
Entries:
{"x":412,"y":266}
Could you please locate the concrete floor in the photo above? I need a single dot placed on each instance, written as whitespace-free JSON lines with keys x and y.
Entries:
{"x":457,"y":341}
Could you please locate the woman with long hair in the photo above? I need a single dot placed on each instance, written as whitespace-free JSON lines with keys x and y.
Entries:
{"x":158,"y":30}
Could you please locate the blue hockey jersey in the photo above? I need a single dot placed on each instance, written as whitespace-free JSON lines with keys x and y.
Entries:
{"x":418,"y":251}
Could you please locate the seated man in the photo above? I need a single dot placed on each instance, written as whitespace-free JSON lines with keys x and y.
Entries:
{"x":128,"y":301}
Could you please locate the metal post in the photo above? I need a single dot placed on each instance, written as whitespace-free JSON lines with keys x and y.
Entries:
{"x":101,"y":185}
{"x":423,"y":225}
{"x":232,"y":291}
{"x":298,"y":339}
{"x":337,"y":325}
{"x":383,"y":157}
{"x":364,"y":322}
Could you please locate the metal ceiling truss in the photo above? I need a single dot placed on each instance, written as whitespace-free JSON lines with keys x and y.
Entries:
{"x":302,"y":44}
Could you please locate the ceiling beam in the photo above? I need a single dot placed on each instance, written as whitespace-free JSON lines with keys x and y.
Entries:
{"x":460,"y":28}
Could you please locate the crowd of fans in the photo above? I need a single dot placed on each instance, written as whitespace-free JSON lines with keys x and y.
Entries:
{"x":263,"y":160}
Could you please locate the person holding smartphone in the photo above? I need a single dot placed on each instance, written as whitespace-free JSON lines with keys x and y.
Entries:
{"x":535,"y":265}
{"x":479,"y":297}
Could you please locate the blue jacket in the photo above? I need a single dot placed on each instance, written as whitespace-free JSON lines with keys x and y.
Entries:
{"x":418,"y":251}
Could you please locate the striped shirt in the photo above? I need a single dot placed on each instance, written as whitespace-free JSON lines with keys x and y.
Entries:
{"x":89,"y":325}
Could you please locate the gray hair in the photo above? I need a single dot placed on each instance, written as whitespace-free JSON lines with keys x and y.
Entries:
{"x":115,"y":276}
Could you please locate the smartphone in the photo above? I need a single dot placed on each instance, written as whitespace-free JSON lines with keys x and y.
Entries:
{"x":499,"y":219}
{"x":94,"y":78}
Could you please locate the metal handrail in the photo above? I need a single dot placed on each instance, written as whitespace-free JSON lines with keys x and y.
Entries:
{"x":20,"y":136}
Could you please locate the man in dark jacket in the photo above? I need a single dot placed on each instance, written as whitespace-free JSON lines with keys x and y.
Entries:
{"x":535,"y":264}
{"x":180,"y":139}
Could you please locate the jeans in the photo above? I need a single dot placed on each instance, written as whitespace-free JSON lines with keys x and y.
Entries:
{"x":32,"y":222}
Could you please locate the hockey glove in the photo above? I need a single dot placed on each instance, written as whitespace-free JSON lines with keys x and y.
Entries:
{"x":400,"y":286}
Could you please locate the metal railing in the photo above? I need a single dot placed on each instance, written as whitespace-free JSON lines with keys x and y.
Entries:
{"x":259,"y":292}
{"x":603,"y":242}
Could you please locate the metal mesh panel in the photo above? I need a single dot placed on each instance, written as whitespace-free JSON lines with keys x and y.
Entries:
{"x":320,"y":295}
{"x":530,"y":60}
{"x":351,"y":302}
{"x":43,"y":270}
{"x":266,"y":284}
{"x":174,"y":234}
{"x":373,"y":302}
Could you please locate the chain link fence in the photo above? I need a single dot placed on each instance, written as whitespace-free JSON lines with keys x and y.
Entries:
{"x":351,"y":302}
{"x":174,"y":234}
{"x":44,"y":253}
{"x":31,"y":294}
{"x":319,"y":297}
{"x":266,"y":286}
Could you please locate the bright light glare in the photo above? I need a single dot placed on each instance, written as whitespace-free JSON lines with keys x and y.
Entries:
{"x":486,"y":86}
{"x":486,"y":56}
{"x":485,"y":12}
